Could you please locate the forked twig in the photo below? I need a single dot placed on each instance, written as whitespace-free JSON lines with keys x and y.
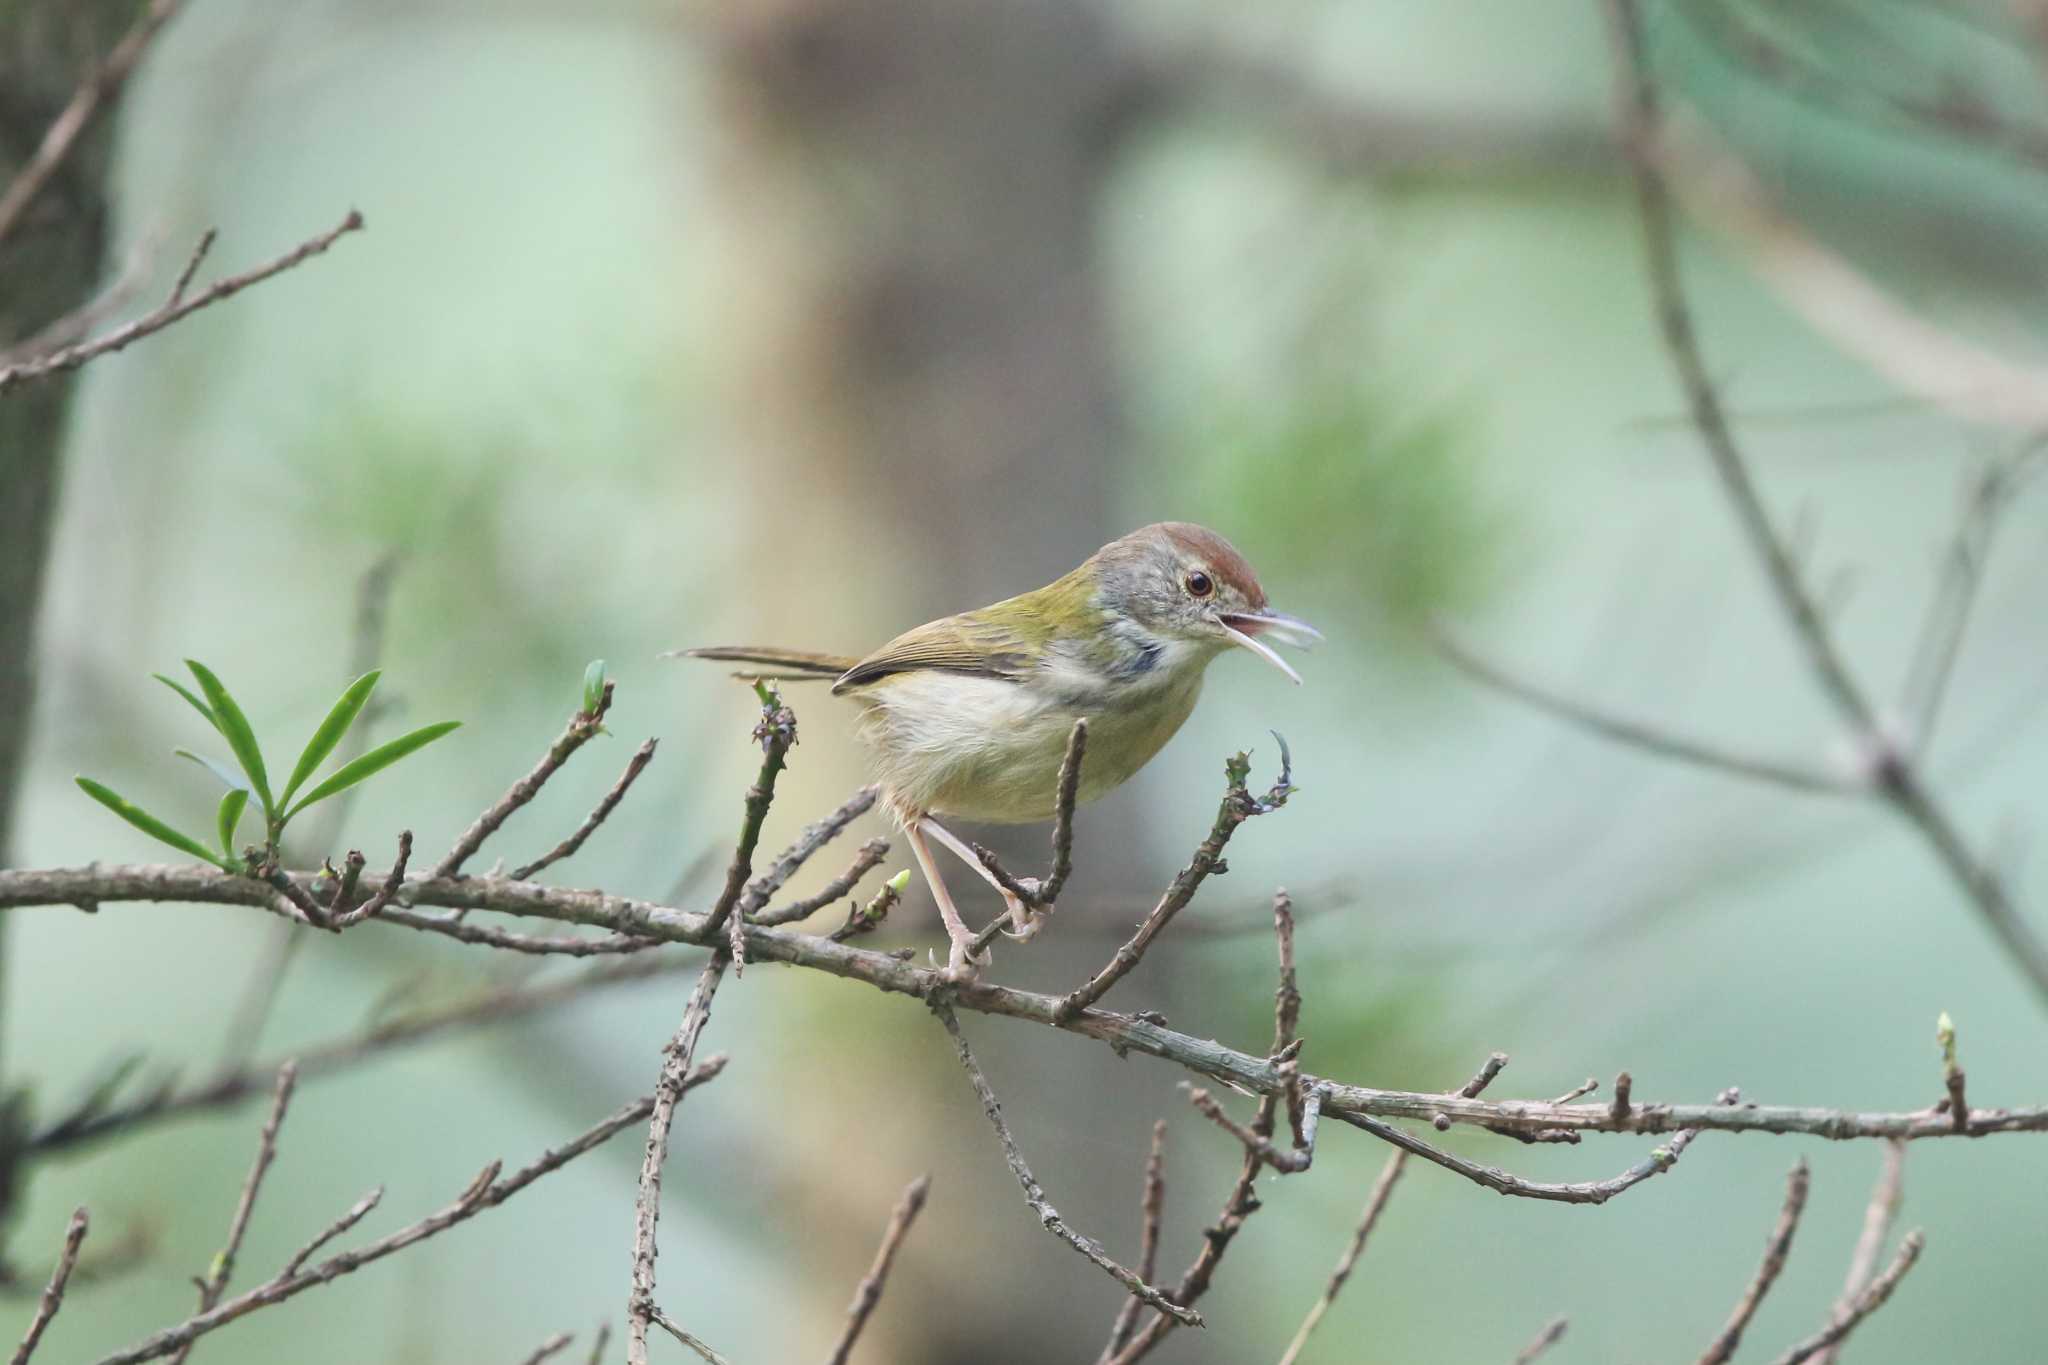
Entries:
{"x":1239,"y":805}
{"x":602,"y":812}
{"x":175,"y":309}
{"x":578,"y":732}
{"x":1867,"y":1302}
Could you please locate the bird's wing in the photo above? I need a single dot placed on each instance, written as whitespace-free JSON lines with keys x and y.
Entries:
{"x":955,"y":644}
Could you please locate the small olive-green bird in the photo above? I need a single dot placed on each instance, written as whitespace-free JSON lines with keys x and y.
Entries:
{"x":969,"y":715}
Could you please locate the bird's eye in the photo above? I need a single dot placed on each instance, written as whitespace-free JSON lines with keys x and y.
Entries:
{"x":1199,"y":584}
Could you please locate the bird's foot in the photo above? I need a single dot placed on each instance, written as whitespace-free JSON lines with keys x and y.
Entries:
{"x":962,"y":966}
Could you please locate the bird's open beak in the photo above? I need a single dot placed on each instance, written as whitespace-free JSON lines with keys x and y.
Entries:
{"x":1247,"y":627}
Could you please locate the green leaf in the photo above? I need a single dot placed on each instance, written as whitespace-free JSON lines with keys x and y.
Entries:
{"x":149,"y":824}
{"x":227,"y":817}
{"x":379,"y":758}
{"x":186,"y":692}
{"x":339,"y":718}
{"x":228,"y":776}
{"x":593,"y":686}
{"x":234,"y":727}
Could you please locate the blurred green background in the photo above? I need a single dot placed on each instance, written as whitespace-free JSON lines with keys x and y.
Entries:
{"x":805,"y":322}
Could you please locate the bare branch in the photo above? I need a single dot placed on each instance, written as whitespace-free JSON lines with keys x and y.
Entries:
{"x":1636,"y":734}
{"x":597,"y":1348}
{"x":669,"y":1088}
{"x":1286,"y":1163}
{"x":1898,"y":782}
{"x":655,"y":923}
{"x":869,"y":1292}
{"x":1375,"y":1205}
{"x":1722,"y":1348}
{"x":567,"y":848}
{"x":93,"y":93}
{"x":1034,"y":1193}
{"x":1151,"y":1212}
{"x":215,"y":1282}
{"x":1869,"y":1301}
{"x":487,"y":1191}
{"x":574,"y":736}
{"x":53,"y":1294}
{"x":1238,"y":806}
{"x":171,"y":312}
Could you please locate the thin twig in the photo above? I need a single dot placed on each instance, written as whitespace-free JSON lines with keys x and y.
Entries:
{"x":346,"y":1219}
{"x":1940,"y":644}
{"x":670,"y":1326}
{"x":581,"y":727}
{"x":1034,"y":1193}
{"x":1375,"y":1205}
{"x":634,"y":765}
{"x":53,"y":1293}
{"x":1637,"y":734}
{"x":1869,"y":1301}
{"x":669,"y":1088}
{"x":1042,"y":895}
{"x":486,"y":1191}
{"x":93,"y":93}
{"x":869,"y":1292}
{"x":1552,"y":1333}
{"x":1238,"y":806}
{"x":1884,"y":1203}
{"x":1898,"y":782}
{"x":170,"y":313}
{"x":791,"y":860}
{"x":870,"y":857}
{"x":554,"y":1345}
{"x":215,"y":1282}
{"x":1151,"y":1213}
{"x":597,"y":1348}
{"x":775,"y":732}
{"x":1779,"y":1244}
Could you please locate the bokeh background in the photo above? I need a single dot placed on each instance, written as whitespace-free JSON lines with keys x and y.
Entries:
{"x":802,"y":322}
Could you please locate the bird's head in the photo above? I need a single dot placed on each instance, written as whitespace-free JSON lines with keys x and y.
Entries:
{"x":1186,"y":583}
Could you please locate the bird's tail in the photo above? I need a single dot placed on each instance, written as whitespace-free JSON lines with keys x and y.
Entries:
{"x":776,"y":665}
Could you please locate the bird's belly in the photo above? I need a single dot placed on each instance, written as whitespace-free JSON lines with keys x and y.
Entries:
{"x":986,"y":749}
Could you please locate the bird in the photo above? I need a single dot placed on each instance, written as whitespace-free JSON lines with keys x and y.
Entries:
{"x":968,"y":717}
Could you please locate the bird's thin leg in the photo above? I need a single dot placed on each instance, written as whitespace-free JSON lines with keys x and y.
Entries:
{"x":1022,"y":922}
{"x":958,"y":963}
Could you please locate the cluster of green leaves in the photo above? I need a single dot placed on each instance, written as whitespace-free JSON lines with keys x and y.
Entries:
{"x":249,"y":777}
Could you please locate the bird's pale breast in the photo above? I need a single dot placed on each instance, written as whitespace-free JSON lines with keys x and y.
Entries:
{"x":990,"y":749}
